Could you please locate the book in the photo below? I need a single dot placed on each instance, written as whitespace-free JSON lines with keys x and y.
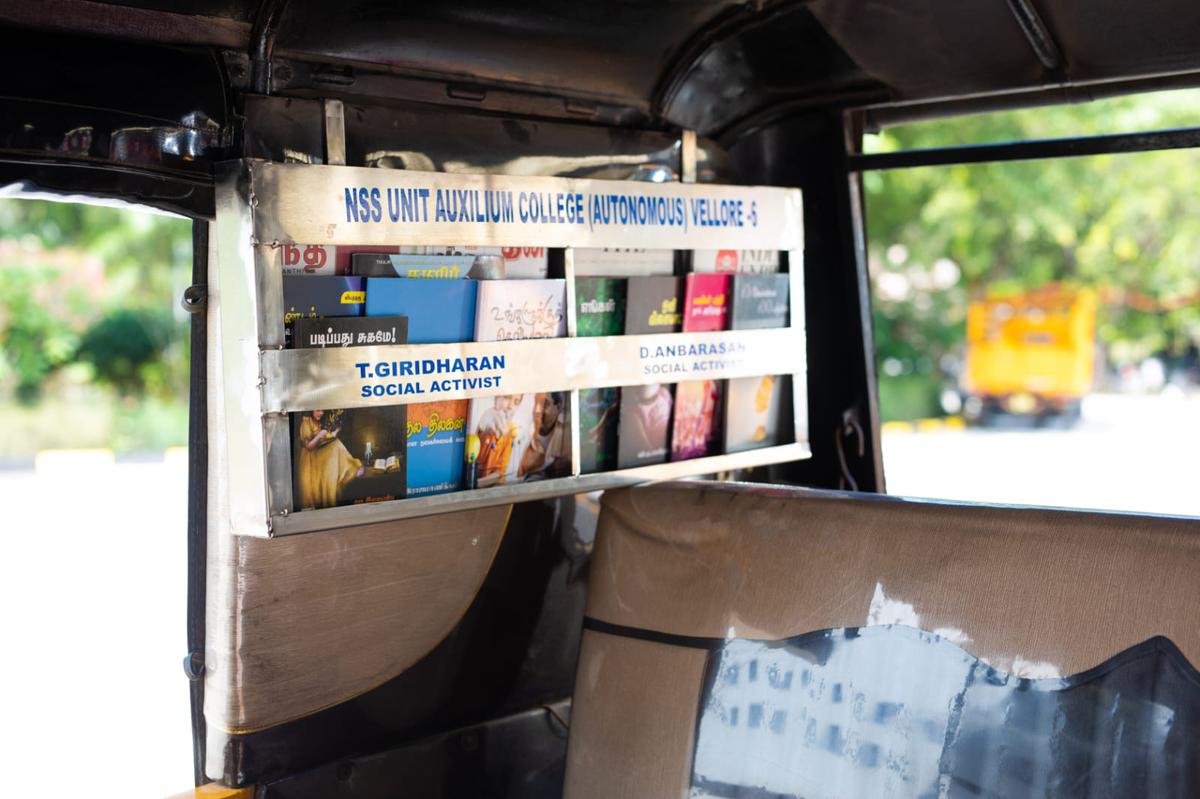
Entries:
{"x":754,"y":405}
{"x":623,"y":261}
{"x":753,"y":413}
{"x":599,"y":311}
{"x":391,"y":464}
{"x":358,"y":331}
{"x":706,"y":302}
{"x":513,"y":438}
{"x":517,"y":438}
{"x":694,"y":431}
{"x":645,"y":422}
{"x":653,"y":305}
{"x":519,"y":262}
{"x":743,"y":262}
{"x":438,"y":311}
{"x":599,"y":306}
{"x":520,"y":309}
{"x":443,"y":267}
{"x":354,"y":455}
{"x":759,"y":301}
{"x":309,"y":259}
{"x":599,"y":415}
{"x":437,"y":438}
{"x":317,"y":296}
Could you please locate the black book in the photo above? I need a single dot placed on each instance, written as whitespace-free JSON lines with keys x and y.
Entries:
{"x":354,"y":455}
{"x":759,"y":301}
{"x":654,"y":305}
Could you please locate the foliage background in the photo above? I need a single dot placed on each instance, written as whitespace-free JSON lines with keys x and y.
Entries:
{"x":1126,"y":225}
{"x":93,"y":344}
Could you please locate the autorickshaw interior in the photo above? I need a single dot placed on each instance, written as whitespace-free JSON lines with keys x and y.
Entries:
{"x":594,"y":506}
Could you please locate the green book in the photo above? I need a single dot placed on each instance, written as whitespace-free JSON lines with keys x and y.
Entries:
{"x":599,"y":306}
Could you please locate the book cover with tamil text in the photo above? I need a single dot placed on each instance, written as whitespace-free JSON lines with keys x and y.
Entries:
{"x":438,"y":267}
{"x":519,"y":437}
{"x":599,"y":306}
{"x":695,"y":429}
{"x":759,"y":301}
{"x":354,"y":455}
{"x":706,"y":303}
{"x":653,"y":305}
{"x":318,"y":296}
{"x":439,"y":312}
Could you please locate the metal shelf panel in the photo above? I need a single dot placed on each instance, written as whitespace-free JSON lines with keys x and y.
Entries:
{"x":355,"y":515}
{"x":357,"y":377}
{"x":261,"y":205}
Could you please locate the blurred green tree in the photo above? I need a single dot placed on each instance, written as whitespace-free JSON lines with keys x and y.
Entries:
{"x":1127,"y":225}
{"x":92,"y":285}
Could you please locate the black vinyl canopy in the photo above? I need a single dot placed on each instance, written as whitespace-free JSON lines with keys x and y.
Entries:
{"x":710,"y":65}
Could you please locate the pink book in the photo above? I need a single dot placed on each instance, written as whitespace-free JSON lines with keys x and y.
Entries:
{"x":706,"y":302}
{"x":695,"y":432}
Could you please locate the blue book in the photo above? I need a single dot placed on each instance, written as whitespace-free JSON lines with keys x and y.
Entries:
{"x":438,"y":311}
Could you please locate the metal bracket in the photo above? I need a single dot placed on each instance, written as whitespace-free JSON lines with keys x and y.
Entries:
{"x":195,"y":298}
{"x":335,"y":133}
{"x":193,"y":665}
{"x":687,"y":156}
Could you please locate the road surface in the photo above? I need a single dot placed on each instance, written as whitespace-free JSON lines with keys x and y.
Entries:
{"x":1128,"y":453}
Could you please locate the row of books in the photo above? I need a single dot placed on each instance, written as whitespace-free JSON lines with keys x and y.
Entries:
{"x":533,"y":262}
{"x":350,"y":456}
{"x":641,"y":425}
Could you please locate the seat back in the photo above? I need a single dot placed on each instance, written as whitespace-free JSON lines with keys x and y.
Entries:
{"x":758,"y":641}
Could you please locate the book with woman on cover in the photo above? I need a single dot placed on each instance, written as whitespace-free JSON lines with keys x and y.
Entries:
{"x":355,"y":455}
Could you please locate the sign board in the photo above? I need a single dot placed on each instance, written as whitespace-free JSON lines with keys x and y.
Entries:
{"x":314,"y":205}
{"x":352,"y":377}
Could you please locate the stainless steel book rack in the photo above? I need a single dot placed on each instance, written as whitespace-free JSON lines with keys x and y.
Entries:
{"x":264,"y":206}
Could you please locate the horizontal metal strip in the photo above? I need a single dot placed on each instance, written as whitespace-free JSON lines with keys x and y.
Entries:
{"x":1180,"y":138}
{"x":357,"y":377}
{"x":654,"y":636}
{"x":308,"y":204}
{"x":371,"y":513}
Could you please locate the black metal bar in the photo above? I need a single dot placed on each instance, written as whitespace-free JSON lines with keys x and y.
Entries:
{"x":262,"y":43}
{"x":1037,"y":33}
{"x":1175,"y":139}
{"x":197,"y":528}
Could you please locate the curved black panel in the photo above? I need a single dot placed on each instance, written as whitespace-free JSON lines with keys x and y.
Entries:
{"x":766,"y":62}
{"x":891,"y":711}
{"x":614,"y":50}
